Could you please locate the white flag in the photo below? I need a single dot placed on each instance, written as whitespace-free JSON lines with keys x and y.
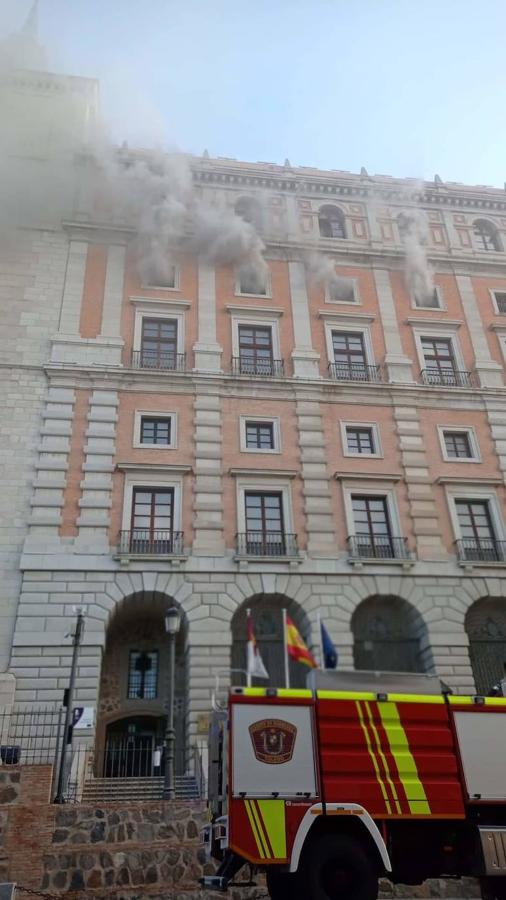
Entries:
{"x":255,"y":665}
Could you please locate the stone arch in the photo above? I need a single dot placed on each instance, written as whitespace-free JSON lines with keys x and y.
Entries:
{"x":267,"y":613}
{"x":389,"y":634}
{"x":134,"y":686}
{"x":486,"y":235}
{"x":485,"y":624}
{"x":331,"y":221}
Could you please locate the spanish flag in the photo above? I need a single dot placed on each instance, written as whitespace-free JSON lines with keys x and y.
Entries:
{"x":296,"y":646}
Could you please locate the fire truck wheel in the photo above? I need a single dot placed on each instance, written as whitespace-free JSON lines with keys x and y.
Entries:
{"x":493,"y":888}
{"x":337,"y":867}
{"x":282,"y":885}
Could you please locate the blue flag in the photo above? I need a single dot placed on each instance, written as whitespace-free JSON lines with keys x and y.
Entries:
{"x":329,"y":650}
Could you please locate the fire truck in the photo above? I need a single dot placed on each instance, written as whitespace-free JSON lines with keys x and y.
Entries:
{"x":362,"y":775}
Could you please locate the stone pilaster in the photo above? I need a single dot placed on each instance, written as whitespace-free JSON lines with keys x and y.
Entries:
{"x":52,"y":463}
{"x":208,"y":488}
{"x":319,"y":512}
{"x":305,"y":359}
{"x":488,"y":371}
{"x":96,"y":498}
{"x":113,"y":300}
{"x":424,"y":516}
{"x":207,"y":351}
{"x":399,"y":367}
{"x":496,"y":414}
{"x":73,"y":288}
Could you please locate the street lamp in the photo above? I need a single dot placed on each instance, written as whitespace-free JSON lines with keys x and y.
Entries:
{"x":172,"y":623}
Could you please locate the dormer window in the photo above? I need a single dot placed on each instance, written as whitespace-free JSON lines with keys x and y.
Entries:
{"x":331,"y":222}
{"x":486,"y":236}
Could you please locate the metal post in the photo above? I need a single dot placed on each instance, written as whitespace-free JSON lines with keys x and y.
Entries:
{"x":285,"y":651}
{"x":67,"y":728}
{"x":169,"y":786}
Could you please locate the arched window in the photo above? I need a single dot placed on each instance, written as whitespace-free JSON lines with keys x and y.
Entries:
{"x":388,"y":634}
{"x":331,"y":222}
{"x":486,"y":236}
{"x":249,"y":209}
{"x":486,"y":629}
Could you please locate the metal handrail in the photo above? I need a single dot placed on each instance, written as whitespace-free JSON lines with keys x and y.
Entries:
{"x":273,"y":368}
{"x":368,"y":546}
{"x":451,"y":378}
{"x":271,"y":543}
{"x":164,"y":361}
{"x":481,"y":550}
{"x":143,"y":541}
{"x":354,"y":372}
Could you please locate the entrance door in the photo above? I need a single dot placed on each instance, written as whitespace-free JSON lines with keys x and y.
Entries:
{"x":131,"y":748}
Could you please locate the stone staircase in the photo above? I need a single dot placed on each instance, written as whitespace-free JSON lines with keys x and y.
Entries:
{"x":116,"y":790}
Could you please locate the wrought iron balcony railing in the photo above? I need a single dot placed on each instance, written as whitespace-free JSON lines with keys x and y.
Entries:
{"x":152,"y":359}
{"x":272,"y":543}
{"x":366,"y":546}
{"x":354,"y":372}
{"x":273,"y":368}
{"x":481,"y":550}
{"x":143,"y":542}
{"x":449,"y":378}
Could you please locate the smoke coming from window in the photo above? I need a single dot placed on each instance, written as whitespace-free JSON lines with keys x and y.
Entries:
{"x":321,"y":270}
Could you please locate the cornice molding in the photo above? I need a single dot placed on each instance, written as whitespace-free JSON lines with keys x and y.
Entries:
{"x":263,"y":473}
{"x":368,"y":476}
{"x":154,"y":467}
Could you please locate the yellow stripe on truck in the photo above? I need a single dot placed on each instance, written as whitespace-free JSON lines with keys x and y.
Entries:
{"x":252,"y":820}
{"x":404,"y":759}
{"x":273,"y":816}
{"x":373,"y":758}
{"x":383,"y":758}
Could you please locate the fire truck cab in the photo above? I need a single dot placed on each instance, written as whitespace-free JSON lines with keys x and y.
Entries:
{"x":359,"y":776}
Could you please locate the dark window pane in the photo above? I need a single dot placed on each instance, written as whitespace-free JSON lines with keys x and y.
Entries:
{"x":155,"y":431}
{"x":260,"y":435}
{"x":360,"y":440}
{"x":457,"y":444}
{"x":143,"y":674}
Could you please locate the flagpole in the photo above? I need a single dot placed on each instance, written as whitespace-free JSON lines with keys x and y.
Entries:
{"x":320,"y":637}
{"x":248,"y":675}
{"x":285,"y":648}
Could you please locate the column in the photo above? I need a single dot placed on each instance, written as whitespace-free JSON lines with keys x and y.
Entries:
{"x":399,"y":366}
{"x":305,"y":358}
{"x":488,"y":371}
{"x":207,"y":351}
{"x":52,"y":464}
{"x":96,"y":497}
{"x":320,"y":525}
{"x":73,"y":288}
{"x":496,"y":414}
{"x":424,"y":516}
{"x":208,"y":537}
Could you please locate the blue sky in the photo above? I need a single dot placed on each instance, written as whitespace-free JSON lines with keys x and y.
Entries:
{"x":401,"y":87}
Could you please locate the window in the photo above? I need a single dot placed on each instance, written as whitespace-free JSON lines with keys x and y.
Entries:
{"x":252,"y":281}
{"x":486,"y":236}
{"x":439,"y":361}
{"x":360,"y":440}
{"x":156,"y":430}
{"x":331,"y":222}
{"x":259,"y":435}
{"x":478,"y":539}
{"x":166,"y":277}
{"x":265,"y":532}
{"x":249,"y":209}
{"x":428,"y":301}
{"x":499,"y":299}
{"x":152,"y":524}
{"x":143,"y":675}
{"x":159,"y":344}
{"x":341,"y":290}
{"x":350,"y":362}
{"x":255,"y":350}
{"x":457,"y":445}
{"x":373,"y":534}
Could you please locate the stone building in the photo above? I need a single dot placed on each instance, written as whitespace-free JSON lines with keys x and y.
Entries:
{"x":326,"y":436}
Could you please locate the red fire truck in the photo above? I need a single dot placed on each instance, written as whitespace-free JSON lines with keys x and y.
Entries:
{"x":359,"y":776}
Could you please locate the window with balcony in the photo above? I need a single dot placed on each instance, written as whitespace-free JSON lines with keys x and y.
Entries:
{"x":499,"y":299}
{"x":331,"y":222}
{"x":159,"y":345}
{"x":440,"y":367}
{"x":478,"y":538}
{"x":152,"y":523}
{"x":360,"y":440}
{"x":373,"y":538}
{"x":143,"y":675}
{"x":486,"y":236}
{"x":350,"y":358}
{"x":264,"y":520}
{"x":256,"y":356}
{"x":156,"y":430}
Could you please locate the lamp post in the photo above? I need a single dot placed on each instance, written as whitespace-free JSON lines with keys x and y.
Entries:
{"x":172,"y":623}
{"x":67,"y":728}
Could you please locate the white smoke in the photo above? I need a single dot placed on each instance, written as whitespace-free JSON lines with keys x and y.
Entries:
{"x":321,"y":270}
{"x":414,"y":229}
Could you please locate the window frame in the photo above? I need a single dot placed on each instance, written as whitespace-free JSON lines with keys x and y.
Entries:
{"x":473,"y":443}
{"x":268,"y":286}
{"x":129,"y":669}
{"x":494,"y":230}
{"x":493,"y":292}
{"x":330,"y":237}
{"x":443,"y":333}
{"x":161,"y":311}
{"x":467,"y":492}
{"x":268,"y":420}
{"x":349,"y":328}
{"x":357,"y":300}
{"x":440,"y":296}
{"x":373,"y":426}
{"x":259,"y":321}
{"x":371,"y":489}
{"x":151,"y":286}
{"x":154,"y":414}
{"x":279,"y":485}
{"x":151,"y":480}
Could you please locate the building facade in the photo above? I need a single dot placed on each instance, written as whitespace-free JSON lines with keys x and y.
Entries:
{"x":226,"y":440}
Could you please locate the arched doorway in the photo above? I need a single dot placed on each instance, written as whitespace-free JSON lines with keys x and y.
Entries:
{"x":267,"y":614}
{"x":134,"y":689}
{"x":388,"y":634}
{"x":486,"y":628}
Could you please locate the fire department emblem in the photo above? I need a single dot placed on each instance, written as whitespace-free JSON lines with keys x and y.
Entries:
{"x":273,"y":741}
